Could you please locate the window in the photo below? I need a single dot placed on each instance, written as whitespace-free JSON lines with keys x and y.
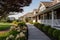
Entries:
{"x":39,"y":16}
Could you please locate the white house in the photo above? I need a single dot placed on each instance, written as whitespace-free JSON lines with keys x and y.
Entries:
{"x":49,"y":13}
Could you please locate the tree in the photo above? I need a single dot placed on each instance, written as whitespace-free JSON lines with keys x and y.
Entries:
{"x":7,"y":6}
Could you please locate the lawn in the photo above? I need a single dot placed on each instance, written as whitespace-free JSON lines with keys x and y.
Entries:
{"x":4,"y":30}
{"x":15,"y":33}
{"x":5,"y":26}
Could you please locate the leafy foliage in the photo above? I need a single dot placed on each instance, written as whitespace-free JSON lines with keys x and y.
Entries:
{"x":7,"y":6}
{"x":46,"y":28}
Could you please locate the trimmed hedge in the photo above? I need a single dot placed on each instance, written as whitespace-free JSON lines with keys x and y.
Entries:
{"x":46,"y":28}
{"x":56,"y":33}
{"x":51,"y":32}
{"x":38,"y":25}
{"x":59,"y":38}
{"x":41,"y":26}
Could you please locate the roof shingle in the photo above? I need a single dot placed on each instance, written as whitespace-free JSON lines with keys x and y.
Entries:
{"x":48,"y":4}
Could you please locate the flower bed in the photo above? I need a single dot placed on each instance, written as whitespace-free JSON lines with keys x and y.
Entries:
{"x":24,"y":30}
{"x":15,"y":32}
{"x":53,"y":33}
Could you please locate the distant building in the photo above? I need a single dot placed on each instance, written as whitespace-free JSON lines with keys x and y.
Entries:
{"x":29,"y":15}
{"x":11,"y":18}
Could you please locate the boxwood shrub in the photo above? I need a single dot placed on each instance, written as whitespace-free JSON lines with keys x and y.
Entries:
{"x":50,"y":31}
{"x":56,"y":33}
{"x":46,"y":28}
{"x":38,"y":25}
{"x":59,"y":38}
{"x":41,"y":26}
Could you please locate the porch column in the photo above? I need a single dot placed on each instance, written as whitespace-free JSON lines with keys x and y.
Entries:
{"x":43,"y":18}
{"x":52,"y":18}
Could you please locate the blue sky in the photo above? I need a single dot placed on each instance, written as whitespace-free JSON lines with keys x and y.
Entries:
{"x":33,"y":5}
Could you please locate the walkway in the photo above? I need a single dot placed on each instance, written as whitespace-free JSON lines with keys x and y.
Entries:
{"x":36,"y":34}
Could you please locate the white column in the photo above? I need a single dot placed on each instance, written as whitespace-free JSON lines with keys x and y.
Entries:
{"x":43,"y":18}
{"x":52,"y":18}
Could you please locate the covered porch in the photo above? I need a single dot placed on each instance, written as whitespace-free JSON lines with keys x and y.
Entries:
{"x":50,"y":16}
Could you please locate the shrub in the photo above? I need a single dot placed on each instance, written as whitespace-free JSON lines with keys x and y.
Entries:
{"x":46,"y":28}
{"x":50,"y":31}
{"x":22,"y":38}
{"x":9,"y":21}
{"x":10,"y":37}
{"x":41,"y":26}
{"x":59,"y":38}
{"x":56,"y":33}
{"x":21,"y":24}
{"x":14,"y":32}
{"x":37,"y":24}
{"x":15,"y":22}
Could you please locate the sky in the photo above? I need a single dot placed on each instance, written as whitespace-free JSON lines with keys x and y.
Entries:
{"x":31,"y":7}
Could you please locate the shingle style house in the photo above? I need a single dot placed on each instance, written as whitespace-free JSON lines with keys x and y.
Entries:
{"x":29,"y":15}
{"x":49,"y":13}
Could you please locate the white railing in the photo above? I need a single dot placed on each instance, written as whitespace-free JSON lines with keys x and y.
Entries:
{"x":56,"y":22}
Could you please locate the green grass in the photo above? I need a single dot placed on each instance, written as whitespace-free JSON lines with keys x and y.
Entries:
{"x":4,"y":26}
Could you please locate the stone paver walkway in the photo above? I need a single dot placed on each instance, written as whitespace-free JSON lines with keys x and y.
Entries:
{"x":36,"y":34}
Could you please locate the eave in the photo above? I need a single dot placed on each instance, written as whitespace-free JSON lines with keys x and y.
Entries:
{"x":49,"y":9}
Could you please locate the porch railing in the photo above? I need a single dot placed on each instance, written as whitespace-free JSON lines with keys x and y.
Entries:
{"x":56,"y":22}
